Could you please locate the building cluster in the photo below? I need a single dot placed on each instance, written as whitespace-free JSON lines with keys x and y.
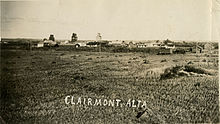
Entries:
{"x":208,"y":48}
{"x":157,"y":44}
{"x":166,"y":44}
{"x":95,"y":43}
{"x":46,"y":42}
{"x":74,"y":41}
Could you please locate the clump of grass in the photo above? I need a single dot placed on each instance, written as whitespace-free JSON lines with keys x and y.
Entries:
{"x":135,"y":58}
{"x":62,"y":54}
{"x":163,"y":60}
{"x":204,"y":60}
{"x":175,"y":60}
{"x":171,"y":72}
{"x":197,"y":70}
{"x":146,"y":61}
{"x":190,"y":62}
{"x":78,"y":76}
{"x":195,"y":60}
{"x":74,"y":56}
{"x":143,"y":56}
{"x":186,"y":70}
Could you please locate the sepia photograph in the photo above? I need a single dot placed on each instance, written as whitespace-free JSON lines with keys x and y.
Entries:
{"x":109,"y":61}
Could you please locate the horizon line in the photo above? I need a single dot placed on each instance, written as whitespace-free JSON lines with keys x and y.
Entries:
{"x":111,"y":39}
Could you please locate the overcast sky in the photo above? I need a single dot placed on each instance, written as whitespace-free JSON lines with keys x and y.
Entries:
{"x":114,"y":19}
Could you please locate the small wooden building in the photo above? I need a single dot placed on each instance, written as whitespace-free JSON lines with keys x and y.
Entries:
{"x":40,"y":44}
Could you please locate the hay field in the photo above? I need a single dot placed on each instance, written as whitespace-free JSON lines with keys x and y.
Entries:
{"x":34,"y":85}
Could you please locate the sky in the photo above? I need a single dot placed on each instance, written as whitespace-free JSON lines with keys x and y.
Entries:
{"x":114,"y":19}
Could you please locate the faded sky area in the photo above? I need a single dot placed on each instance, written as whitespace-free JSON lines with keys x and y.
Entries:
{"x":114,"y":19}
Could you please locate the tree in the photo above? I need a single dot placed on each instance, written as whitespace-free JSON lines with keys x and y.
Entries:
{"x":52,"y":37}
{"x":44,"y":39}
{"x":74,"y":37}
{"x":98,"y":37}
{"x":167,"y":41}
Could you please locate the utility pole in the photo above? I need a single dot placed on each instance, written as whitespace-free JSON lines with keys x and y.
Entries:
{"x":98,"y":39}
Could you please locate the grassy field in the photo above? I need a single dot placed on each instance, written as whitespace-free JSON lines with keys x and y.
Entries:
{"x":34,"y":85}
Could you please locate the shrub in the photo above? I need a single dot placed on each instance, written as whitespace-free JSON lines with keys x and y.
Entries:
{"x":170,"y":72}
{"x":146,"y":61}
{"x":195,"y":70}
{"x":164,"y":60}
{"x":190,"y":62}
{"x":204,"y":60}
{"x":175,"y":60}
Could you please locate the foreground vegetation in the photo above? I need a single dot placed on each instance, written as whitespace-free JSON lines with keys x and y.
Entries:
{"x":35,"y":83}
